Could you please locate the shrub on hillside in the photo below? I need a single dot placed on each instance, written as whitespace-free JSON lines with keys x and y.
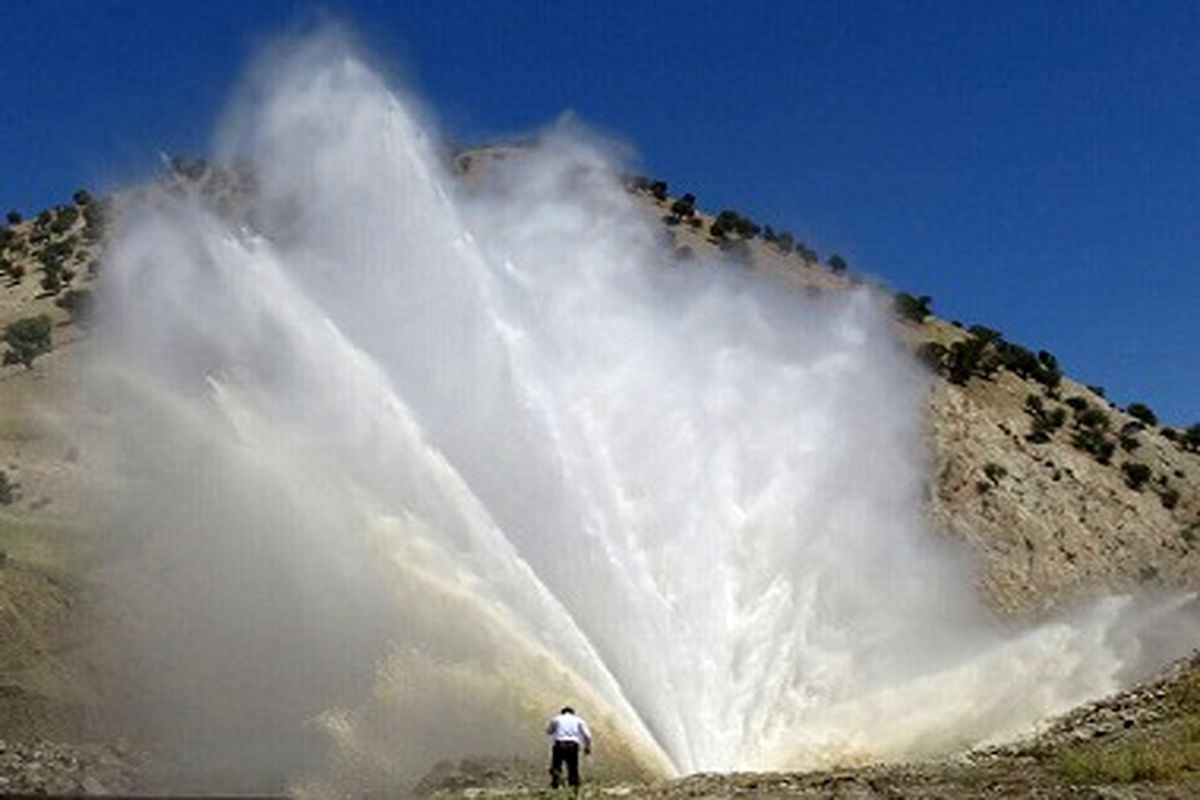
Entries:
{"x":684,"y":207}
{"x":734,"y":222}
{"x":1049,"y":374}
{"x":1142,"y":413}
{"x":837,"y":263}
{"x":14,"y":217}
{"x":914,"y":309}
{"x":52,"y":281}
{"x":1094,"y":441}
{"x":82,"y":197}
{"x":984,"y":333}
{"x":659,"y":190}
{"x":64,"y":219}
{"x":1045,"y":421}
{"x":968,"y":358}
{"x":1077,"y":403}
{"x":1093,"y":418}
{"x":1136,"y":474}
{"x":27,"y":338}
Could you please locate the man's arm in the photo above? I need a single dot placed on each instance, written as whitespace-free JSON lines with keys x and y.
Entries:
{"x":587,"y":736}
{"x":551,"y":726}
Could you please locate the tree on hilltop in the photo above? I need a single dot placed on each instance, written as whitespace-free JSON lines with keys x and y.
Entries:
{"x":684,"y":207}
{"x":913,"y":308}
{"x":1142,"y":413}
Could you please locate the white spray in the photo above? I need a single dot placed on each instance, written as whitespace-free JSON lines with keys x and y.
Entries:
{"x":479,"y":452}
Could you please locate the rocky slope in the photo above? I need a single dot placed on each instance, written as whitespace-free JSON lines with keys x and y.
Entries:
{"x":1143,"y":743}
{"x":1100,"y":501}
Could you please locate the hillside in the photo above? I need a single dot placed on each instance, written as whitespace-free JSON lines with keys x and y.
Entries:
{"x":1060,"y":492}
{"x":1034,"y":470}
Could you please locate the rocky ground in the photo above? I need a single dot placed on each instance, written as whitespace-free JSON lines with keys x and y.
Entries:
{"x":57,"y":769}
{"x":1143,"y":743}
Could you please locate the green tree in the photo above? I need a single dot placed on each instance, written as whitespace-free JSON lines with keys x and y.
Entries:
{"x":1142,"y":413}
{"x":1092,"y":418}
{"x":14,"y":217}
{"x":27,"y":338}
{"x":1191,"y":438}
{"x":967,"y":359}
{"x":1094,"y":441}
{"x":64,"y":218}
{"x":684,"y":207}
{"x":52,"y":281}
{"x":1136,"y":474}
{"x":837,"y":263}
{"x":82,"y":197}
{"x":915,"y":309}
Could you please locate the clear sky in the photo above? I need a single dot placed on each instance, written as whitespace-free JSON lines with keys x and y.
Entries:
{"x":1033,"y":166}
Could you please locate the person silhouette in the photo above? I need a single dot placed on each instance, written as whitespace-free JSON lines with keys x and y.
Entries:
{"x":569,"y":733}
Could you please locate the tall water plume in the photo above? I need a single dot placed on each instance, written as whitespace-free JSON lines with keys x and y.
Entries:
{"x":413,"y":462}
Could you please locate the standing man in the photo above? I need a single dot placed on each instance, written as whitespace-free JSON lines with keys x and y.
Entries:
{"x":570,"y":733}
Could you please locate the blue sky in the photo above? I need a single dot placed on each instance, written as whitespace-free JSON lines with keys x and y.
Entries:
{"x":1034,"y":167}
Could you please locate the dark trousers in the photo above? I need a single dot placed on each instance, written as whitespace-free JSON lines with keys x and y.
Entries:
{"x":564,"y":753}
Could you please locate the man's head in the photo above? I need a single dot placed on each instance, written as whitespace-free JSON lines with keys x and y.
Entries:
{"x":567,"y":710}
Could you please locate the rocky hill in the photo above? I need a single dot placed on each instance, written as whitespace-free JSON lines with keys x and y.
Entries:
{"x":1060,"y":493}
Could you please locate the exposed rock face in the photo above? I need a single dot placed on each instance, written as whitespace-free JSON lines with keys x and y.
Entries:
{"x":1050,"y":521}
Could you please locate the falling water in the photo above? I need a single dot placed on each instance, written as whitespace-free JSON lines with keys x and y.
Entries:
{"x":460,"y":453}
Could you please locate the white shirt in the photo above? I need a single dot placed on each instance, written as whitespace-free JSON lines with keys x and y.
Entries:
{"x":569,"y":728}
